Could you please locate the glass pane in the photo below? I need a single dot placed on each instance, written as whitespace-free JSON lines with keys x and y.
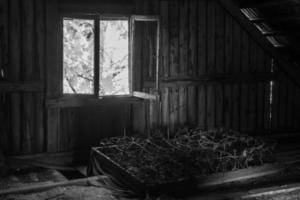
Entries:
{"x":78,"y":47}
{"x":114,"y":73}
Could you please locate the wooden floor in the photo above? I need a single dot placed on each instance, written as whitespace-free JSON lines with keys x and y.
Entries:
{"x":39,"y":183}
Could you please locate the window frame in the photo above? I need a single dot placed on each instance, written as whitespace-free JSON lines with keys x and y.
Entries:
{"x":96,"y":17}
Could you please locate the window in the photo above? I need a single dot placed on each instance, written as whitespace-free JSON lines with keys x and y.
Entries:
{"x":78,"y":59}
{"x":97,"y":58}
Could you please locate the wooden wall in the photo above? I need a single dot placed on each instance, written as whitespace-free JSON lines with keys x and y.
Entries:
{"x":212,"y":74}
{"x":22,"y":36}
{"x":285,"y":105}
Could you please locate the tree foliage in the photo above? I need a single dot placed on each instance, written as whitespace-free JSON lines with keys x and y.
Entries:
{"x":78,"y":63}
{"x":79,"y":52}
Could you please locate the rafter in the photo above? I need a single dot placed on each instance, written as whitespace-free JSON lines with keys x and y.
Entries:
{"x":290,"y":69}
{"x":265,"y":3}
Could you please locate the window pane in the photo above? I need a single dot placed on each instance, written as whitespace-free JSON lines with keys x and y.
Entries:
{"x":78,"y":66}
{"x":114,"y":73}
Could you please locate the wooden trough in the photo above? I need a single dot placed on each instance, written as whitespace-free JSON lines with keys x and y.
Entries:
{"x":107,"y":166}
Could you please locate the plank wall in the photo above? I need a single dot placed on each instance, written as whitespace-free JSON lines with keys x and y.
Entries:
{"x":212,"y":74}
{"x":22,"y":61}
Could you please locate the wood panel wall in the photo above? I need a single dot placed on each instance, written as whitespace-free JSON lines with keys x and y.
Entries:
{"x":22,"y":37}
{"x":285,"y":105}
{"x":212,"y":75}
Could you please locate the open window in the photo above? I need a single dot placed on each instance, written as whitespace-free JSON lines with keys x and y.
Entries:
{"x":110,"y":56}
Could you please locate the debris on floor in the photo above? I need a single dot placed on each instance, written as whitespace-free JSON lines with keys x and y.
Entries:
{"x":67,"y":193}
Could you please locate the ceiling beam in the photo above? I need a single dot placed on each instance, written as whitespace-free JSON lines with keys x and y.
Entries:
{"x":274,"y":19}
{"x":281,"y":33}
{"x":290,"y":69}
{"x":264,"y":3}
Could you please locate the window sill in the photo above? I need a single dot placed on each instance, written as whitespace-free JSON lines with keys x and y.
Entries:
{"x":89,"y":100}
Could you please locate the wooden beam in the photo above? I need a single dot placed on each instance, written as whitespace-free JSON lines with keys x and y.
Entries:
{"x":73,"y":101}
{"x":47,"y":186}
{"x":240,"y":175}
{"x":281,"y":33}
{"x":216,"y":78}
{"x":21,"y":86}
{"x":265,"y":3}
{"x":274,"y":19}
{"x":290,"y":69}
{"x":276,"y":190}
{"x":144,"y":95}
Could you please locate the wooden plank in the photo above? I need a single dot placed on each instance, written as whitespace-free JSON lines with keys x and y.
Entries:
{"x":260,"y":60}
{"x":4,"y":27}
{"x":290,"y":104}
{"x":183,"y":36}
{"x":21,"y":86}
{"x":211,"y":37}
{"x":211,"y":106}
{"x":152,"y":114}
{"x":288,"y":68}
{"x":236,"y":107}
{"x":165,"y":38}
{"x":228,"y":44}
{"x":137,"y":68}
{"x":40,"y":73}
{"x":183,"y":106}
{"x":215,"y":78}
{"x":272,"y":191}
{"x":202,"y":37}
{"x":53,"y":74}
{"x":112,"y":7}
{"x":53,"y":65}
{"x":15,"y":70}
{"x":192,"y":105}
{"x":138,"y":117}
{"x":85,"y":101}
{"x":220,"y":39}
{"x":193,"y":39}
{"x":228,"y":103}
{"x":244,"y":106}
{"x":240,"y":77}
{"x":245,"y":52}
{"x":145,"y":51}
{"x":267,"y":3}
{"x":46,"y":186}
{"x":166,"y":107}
{"x":174,"y":38}
{"x":143,"y":95}
{"x":275,"y":105}
{"x":40,"y":38}
{"x":253,"y":57}
{"x":252,"y":107}
{"x":282,"y":104}
{"x":69,"y":128}
{"x":53,"y":126}
{"x":219,"y":105}
{"x":174,"y":109}
{"x":202,"y":106}
{"x":146,"y":111}
{"x":237,"y":57}
{"x":154,"y":7}
{"x":64,"y":128}
{"x":260,"y":105}
{"x":240,"y":175}
{"x":27,"y":55}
